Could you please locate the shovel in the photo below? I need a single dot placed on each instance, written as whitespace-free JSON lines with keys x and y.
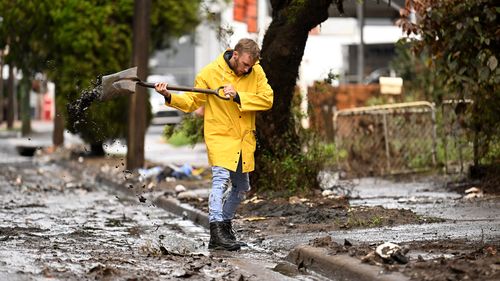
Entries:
{"x":124,"y":82}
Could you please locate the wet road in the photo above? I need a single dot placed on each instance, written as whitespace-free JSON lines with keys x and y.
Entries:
{"x":476,"y":220}
{"x":424,"y":197}
{"x":55,"y":225}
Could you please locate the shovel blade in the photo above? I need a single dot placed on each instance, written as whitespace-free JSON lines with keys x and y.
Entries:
{"x":113,"y":85}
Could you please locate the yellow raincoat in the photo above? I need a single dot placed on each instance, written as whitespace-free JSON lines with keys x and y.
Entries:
{"x":229,"y":127}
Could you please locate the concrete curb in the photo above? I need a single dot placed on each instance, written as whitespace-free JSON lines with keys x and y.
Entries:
{"x":339,"y":267}
{"x":171,"y":205}
{"x":181,"y":209}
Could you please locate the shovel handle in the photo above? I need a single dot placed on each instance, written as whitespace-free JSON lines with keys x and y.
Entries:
{"x":186,"y":89}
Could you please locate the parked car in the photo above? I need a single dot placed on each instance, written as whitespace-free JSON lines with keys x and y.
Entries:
{"x":162,"y":114}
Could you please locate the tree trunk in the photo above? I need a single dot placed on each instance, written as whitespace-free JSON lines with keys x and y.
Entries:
{"x":11,"y":96}
{"x":137,"y":106}
{"x":96,"y":149}
{"x":282,"y":51}
{"x":25,"y":106}
{"x":58,"y":133}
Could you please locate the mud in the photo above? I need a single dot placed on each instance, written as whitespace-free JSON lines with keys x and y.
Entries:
{"x":314,"y":214}
{"x":77,"y":109}
{"x":432,"y":261}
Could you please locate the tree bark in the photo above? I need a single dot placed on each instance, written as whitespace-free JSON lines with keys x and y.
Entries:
{"x":58,"y":133}
{"x":97,"y":149}
{"x":282,"y":51}
{"x":11,"y":95}
{"x":25,"y":106}
{"x":137,"y":106}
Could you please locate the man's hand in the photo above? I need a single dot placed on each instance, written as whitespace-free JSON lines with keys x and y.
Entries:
{"x":161,"y":88}
{"x":229,"y":91}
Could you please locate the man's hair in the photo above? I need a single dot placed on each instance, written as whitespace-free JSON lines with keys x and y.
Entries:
{"x":248,"y":46}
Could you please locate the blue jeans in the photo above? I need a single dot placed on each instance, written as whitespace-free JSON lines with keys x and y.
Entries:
{"x":222,"y":207}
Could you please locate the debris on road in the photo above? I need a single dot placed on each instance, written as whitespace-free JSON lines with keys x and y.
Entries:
{"x":391,"y":253}
{"x":472,"y":193}
{"x":180,"y":188}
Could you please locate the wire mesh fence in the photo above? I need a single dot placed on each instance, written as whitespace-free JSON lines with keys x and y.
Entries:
{"x":457,"y":150}
{"x":386,"y":139}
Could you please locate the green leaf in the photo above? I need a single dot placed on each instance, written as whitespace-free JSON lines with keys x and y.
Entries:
{"x":484,"y":72}
{"x":492,"y":63}
{"x":462,"y":70}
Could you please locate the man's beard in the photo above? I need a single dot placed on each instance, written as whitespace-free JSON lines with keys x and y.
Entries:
{"x":236,"y":64}
{"x":235,"y":68}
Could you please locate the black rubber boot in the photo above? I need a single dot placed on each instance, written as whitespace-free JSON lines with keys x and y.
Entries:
{"x":232,"y":235}
{"x":219,"y":238}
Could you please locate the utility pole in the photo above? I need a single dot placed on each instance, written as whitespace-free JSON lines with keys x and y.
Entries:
{"x":137,"y":103}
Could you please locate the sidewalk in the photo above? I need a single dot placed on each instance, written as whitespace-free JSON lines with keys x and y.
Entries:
{"x":40,"y":136}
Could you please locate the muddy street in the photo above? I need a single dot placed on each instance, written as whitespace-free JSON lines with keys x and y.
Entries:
{"x":56,"y":225}
{"x":60,"y":226}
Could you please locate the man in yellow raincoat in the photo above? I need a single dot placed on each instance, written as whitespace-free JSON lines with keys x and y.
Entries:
{"x":229,"y":129}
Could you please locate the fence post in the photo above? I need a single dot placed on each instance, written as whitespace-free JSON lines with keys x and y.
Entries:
{"x":386,"y":139}
{"x":434,"y":134}
{"x":444,"y":127}
{"x":335,"y":137}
